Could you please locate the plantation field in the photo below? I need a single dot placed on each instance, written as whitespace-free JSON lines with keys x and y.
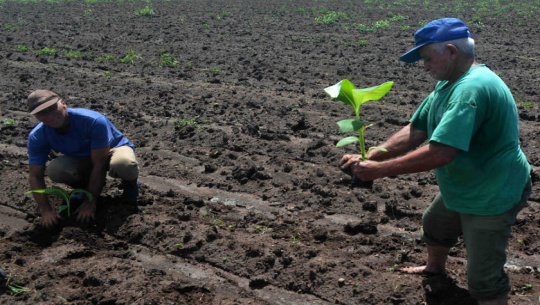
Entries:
{"x":241,"y":200}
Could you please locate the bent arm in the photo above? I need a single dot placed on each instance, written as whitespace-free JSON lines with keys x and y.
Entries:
{"x":425,"y":158}
{"x":36,"y":179}
{"x":400,"y":143}
{"x":96,"y":182}
{"x":37,"y":182}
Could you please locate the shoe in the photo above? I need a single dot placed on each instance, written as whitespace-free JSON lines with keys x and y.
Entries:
{"x":131,"y":190}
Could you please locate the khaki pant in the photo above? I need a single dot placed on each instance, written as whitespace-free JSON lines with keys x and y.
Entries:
{"x":75,"y":171}
{"x":486,"y":238}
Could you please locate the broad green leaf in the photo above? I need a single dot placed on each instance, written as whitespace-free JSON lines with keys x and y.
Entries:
{"x":342,"y":91}
{"x":350,"y":125}
{"x":361,"y":96}
{"x":62,"y":207}
{"x":347,"y":141}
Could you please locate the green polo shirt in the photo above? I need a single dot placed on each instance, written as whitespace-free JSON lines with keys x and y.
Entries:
{"x":477,"y":114}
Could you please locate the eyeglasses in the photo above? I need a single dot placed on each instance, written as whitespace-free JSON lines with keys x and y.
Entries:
{"x":50,"y":109}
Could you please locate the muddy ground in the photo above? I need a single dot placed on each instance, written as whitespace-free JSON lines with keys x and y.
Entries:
{"x":241,"y":200}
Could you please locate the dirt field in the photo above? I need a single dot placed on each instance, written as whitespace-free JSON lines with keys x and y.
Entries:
{"x":241,"y":198}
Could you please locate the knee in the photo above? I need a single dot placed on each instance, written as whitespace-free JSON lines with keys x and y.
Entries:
{"x":125,"y":170}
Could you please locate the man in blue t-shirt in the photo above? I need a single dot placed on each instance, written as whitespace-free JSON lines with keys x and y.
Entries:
{"x":89,"y":146}
{"x":471,"y":124}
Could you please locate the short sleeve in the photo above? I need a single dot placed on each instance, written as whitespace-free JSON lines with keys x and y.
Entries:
{"x":100,"y":133}
{"x":419,"y":119}
{"x":457,"y":125}
{"x":38,"y":150}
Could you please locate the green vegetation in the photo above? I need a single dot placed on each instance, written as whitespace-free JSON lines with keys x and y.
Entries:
{"x":345,"y":92}
{"x":74,"y":54}
{"x":46,"y":51}
{"x":10,"y":28}
{"x":8,"y":122}
{"x":188,"y":65}
{"x":145,"y":12}
{"x":21,"y":48}
{"x":130,"y":57}
{"x":104,"y":57}
{"x":87,"y":12}
{"x":60,"y":192}
{"x":167,"y":60}
{"x":263,"y":229}
{"x":108,"y":74}
{"x":331,"y":18}
{"x":194,"y":122}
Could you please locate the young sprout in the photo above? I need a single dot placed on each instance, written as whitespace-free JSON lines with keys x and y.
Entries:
{"x":63,"y":194}
{"x":345,"y":92}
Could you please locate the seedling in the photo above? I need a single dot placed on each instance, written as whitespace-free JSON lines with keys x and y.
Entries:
{"x":63,"y":194}
{"x":167,"y":60}
{"x":15,"y":289}
{"x":263,"y":229}
{"x":130,"y":57}
{"x":46,"y":51}
{"x":21,"y":48}
{"x":8,"y":122}
{"x":345,"y":92}
{"x":295,"y":241}
{"x":146,"y":12}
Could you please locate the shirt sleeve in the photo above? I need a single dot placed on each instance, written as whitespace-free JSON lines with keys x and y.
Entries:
{"x":458,"y":124}
{"x":419,"y":119}
{"x":38,"y":149}
{"x":100,"y":134}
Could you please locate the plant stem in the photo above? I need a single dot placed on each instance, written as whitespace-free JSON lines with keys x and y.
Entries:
{"x":362,"y":144}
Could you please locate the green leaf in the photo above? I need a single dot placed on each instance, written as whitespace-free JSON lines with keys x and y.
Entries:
{"x":63,"y":207}
{"x":379,"y":148}
{"x":350,"y":125}
{"x":347,"y":141}
{"x":342,"y":91}
{"x":371,"y":94}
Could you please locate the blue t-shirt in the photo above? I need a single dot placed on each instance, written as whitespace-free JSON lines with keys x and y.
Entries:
{"x":88,"y":130}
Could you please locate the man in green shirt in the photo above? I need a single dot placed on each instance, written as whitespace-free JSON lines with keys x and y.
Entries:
{"x":471,"y":124}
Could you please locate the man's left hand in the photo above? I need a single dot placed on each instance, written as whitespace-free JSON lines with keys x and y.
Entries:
{"x":366,"y":170}
{"x":87,"y":211}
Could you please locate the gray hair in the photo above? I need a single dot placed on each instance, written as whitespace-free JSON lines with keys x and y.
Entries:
{"x":465,"y":45}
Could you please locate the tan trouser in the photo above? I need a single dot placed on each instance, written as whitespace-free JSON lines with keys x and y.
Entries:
{"x":75,"y":171}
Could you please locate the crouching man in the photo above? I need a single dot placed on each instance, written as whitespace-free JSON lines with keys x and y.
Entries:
{"x":89,"y":145}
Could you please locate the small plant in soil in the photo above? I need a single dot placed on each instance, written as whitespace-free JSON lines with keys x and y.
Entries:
{"x":130,"y":57}
{"x":263,"y":229}
{"x":21,"y":48}
{"x":7,"y":122}
{"x":168,"y":60}
{"x":345,"y":92}
{"x":46,"y":51}
{"x":145,"y":12}
{"x":63,"y":194}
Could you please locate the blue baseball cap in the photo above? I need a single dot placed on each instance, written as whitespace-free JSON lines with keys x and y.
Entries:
{"x":436,"y":31}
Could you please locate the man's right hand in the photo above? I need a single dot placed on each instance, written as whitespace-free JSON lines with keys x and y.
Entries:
{"x":49,"y":217}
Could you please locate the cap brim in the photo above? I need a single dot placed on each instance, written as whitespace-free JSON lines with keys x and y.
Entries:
{"x":412,"y":55}
{"x":44,"y":105}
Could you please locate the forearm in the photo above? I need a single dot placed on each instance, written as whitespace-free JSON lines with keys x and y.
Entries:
{"x":420,"y":160}
{"x":97,"y":180}
{"x":425,"y":158}
{"x":400,"y":143}
{"x":38,"y":183}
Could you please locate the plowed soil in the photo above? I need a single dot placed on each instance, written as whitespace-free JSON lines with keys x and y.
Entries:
{"x":241,"y":198}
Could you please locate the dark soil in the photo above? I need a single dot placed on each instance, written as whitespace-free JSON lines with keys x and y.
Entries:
{"x":241,"y":198}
